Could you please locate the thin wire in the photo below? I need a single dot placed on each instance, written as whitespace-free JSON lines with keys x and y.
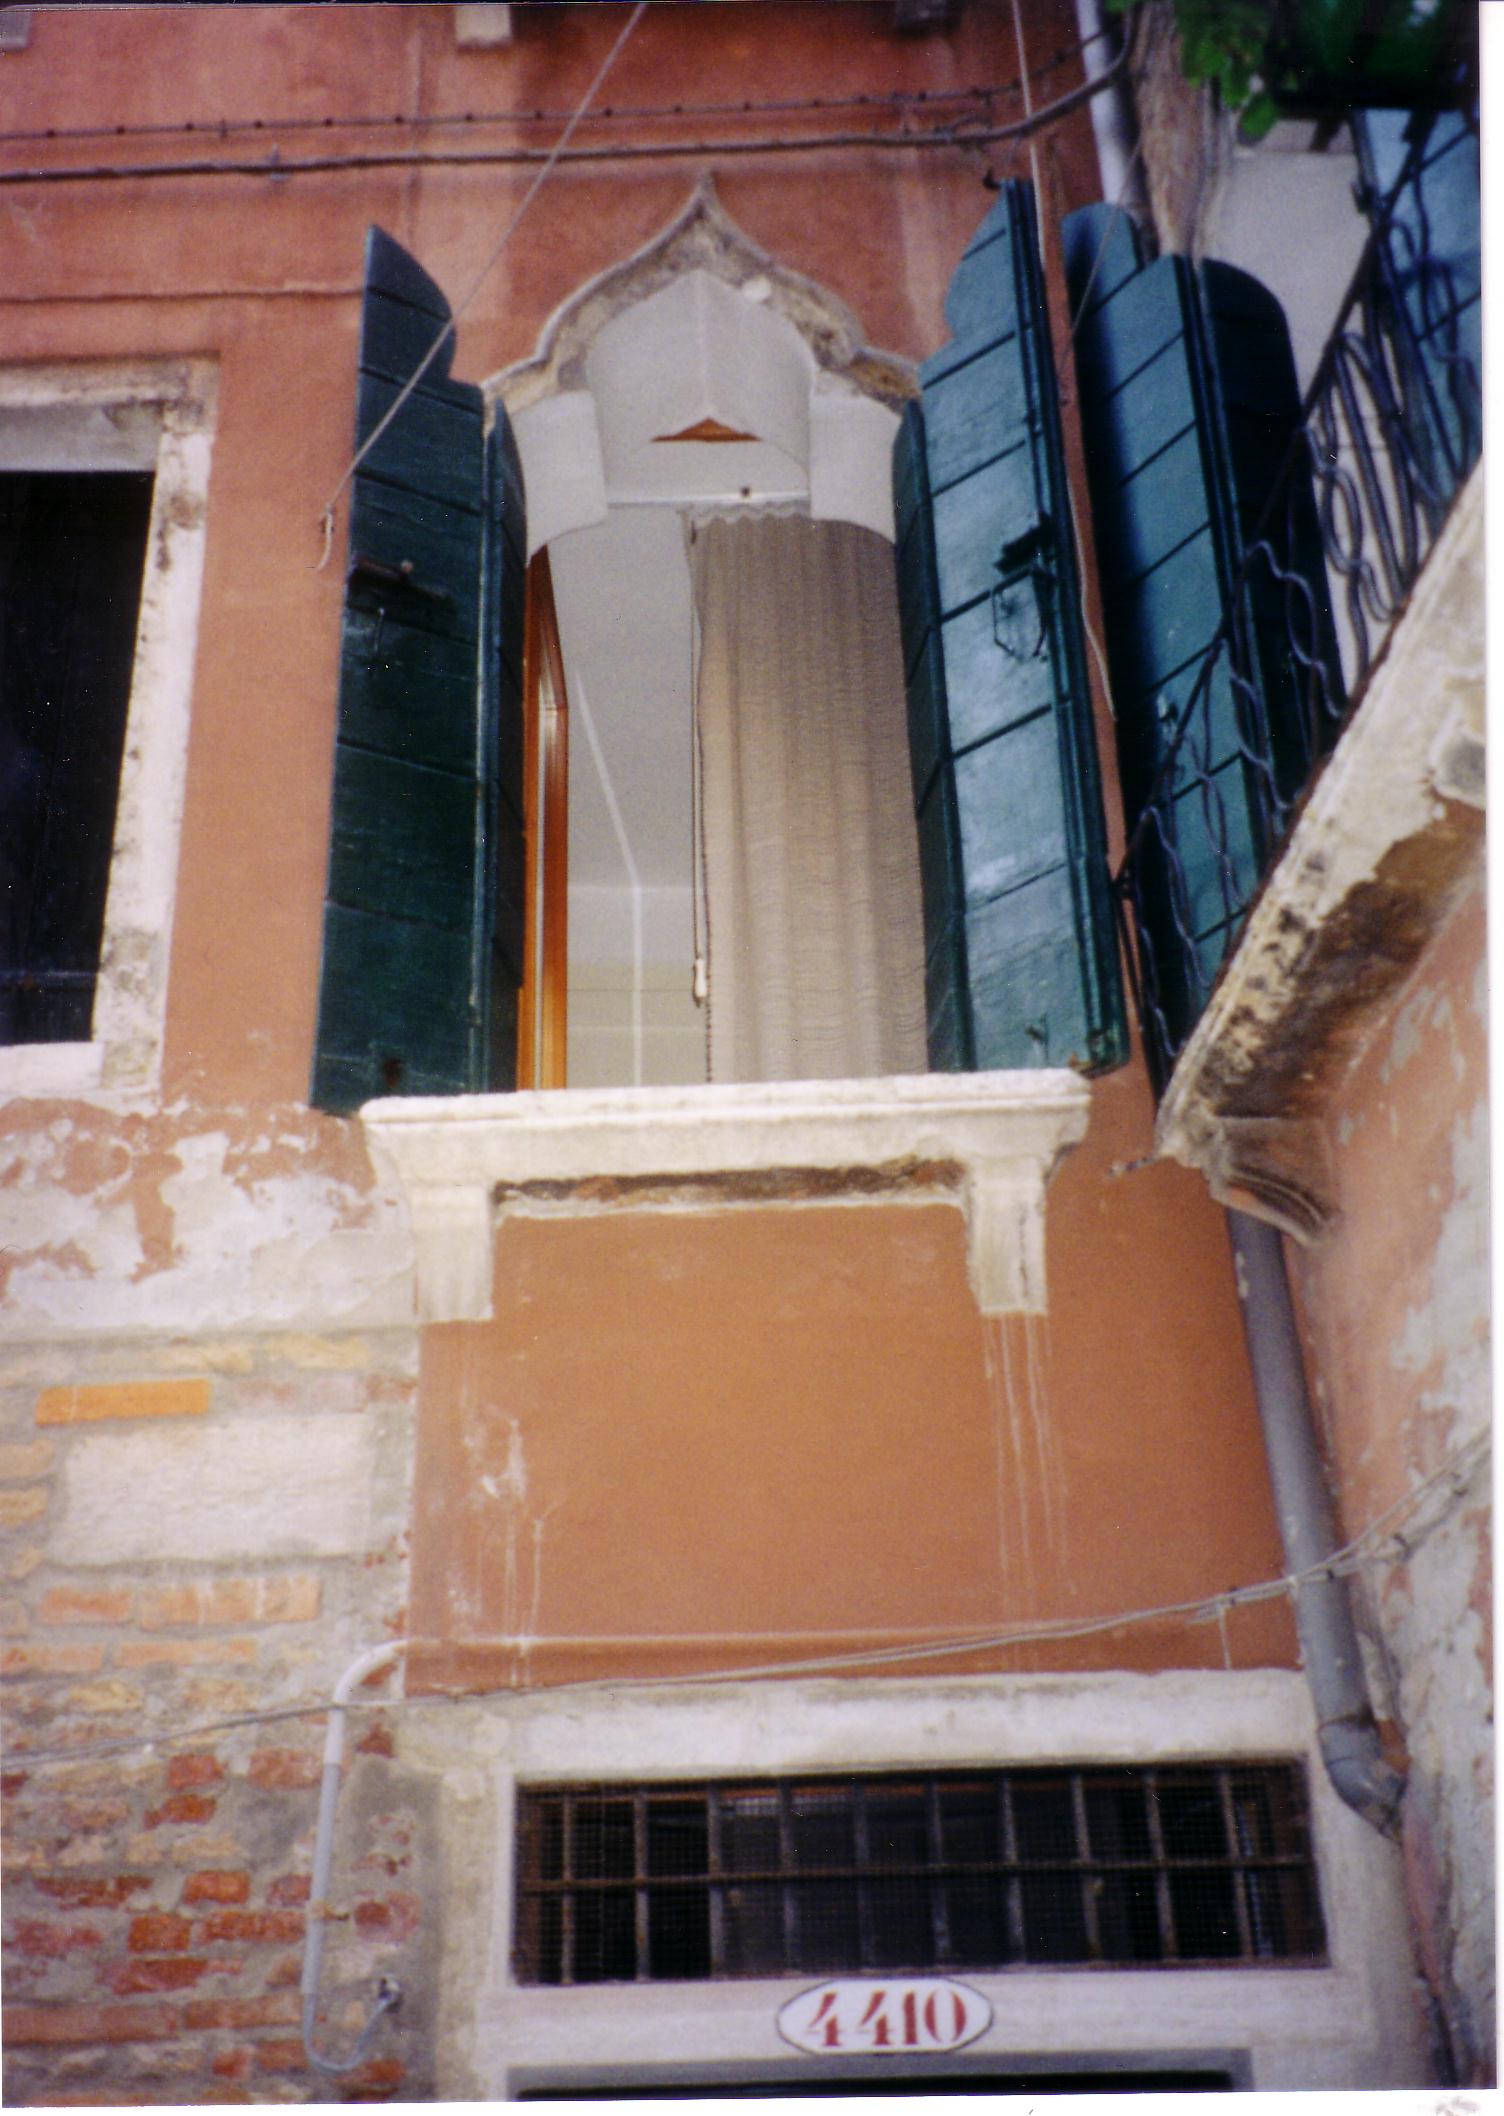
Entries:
{"x":274,"y":165}
{"x":326,"y":516}
{"x":1108,"y":74}
{"x":1119,"y":208}
{"x":224,"y":128}
{"x":1457,"y":1473}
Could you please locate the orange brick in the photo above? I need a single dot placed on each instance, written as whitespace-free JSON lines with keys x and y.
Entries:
{"x":284,"y":2055}
{"x":159,"y":1932}
{"x":180,"y":1807}
{"x":284,"y":1769}
{"x":35,"y":1936}
{"x":279,"y":2009}
{"x":86,"y":1605}
{"x":168,"y":1972}
{"x":215,"y":1886}
{"x":195,"y":1768}
{"x":294,"y":1599}
{"x":51,"y":1660}
{"x":182,"y":1652}
{"x":25,"y":1503}
{"x":90,"y":2024}
{"x":105,"y":1697}
{"x":87,"y":1894}
{"x":168,"y":1605}
{"x":24,"y":1459}
{"x":254,"y":1925}
{"x":123,"y":1399}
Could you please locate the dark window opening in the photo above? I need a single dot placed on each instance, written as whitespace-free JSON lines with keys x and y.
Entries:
{"x":72,"y":552}
{"x":1187,"y":1866}
{"x":924,"y":2082}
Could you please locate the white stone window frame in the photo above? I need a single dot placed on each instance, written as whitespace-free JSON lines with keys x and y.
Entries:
{"x":1351,"y":2022}
{"x":155,"y":415}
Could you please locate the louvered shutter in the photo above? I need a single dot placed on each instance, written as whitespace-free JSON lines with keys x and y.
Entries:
{"x":1021,"y":953}
{"x":422,"y":921}
{"x":1188,"y":405}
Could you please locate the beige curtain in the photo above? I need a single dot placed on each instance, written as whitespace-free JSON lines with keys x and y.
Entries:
{"x":811,"y":865}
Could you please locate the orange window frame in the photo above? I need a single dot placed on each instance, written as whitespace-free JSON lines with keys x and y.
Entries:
{"x":543,"y":1008}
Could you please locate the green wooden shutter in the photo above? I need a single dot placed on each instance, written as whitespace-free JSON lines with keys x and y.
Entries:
{"x":1022,"y":956}
{"x":1188,"y":406}
{"x":421,"y":926}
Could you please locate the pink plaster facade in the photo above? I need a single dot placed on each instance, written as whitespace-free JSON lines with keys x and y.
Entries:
{"x":686,"y":1441}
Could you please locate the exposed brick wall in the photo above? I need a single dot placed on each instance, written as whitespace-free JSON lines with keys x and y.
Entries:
{"x":156,"y":1897}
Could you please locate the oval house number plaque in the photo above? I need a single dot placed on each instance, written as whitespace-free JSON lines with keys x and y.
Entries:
{"x":910,"y":2014}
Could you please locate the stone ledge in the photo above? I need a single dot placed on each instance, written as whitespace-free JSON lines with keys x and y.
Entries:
{"x":460,"y":1160}
{"x":1371,"y":867}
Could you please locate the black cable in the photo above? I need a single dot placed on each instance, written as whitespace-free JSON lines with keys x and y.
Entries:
{"x":224,"y":128}
{"x":710,"y":150}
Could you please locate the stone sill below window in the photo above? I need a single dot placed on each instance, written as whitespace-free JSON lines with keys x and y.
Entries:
{"x":461,"y":1160}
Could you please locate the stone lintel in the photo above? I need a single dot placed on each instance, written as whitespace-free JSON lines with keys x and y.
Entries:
{"x":462,"y":1160}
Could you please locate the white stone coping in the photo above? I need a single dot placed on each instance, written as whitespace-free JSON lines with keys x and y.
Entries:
{"x":1006,"y":1130}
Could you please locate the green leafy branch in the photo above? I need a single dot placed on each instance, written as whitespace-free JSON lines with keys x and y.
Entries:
{"x":1222,"y":43}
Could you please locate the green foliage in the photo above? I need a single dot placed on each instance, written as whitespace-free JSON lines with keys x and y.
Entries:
{"x":1222,"y":42}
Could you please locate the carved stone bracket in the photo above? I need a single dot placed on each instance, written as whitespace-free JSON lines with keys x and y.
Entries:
{"x":461,"y":1160}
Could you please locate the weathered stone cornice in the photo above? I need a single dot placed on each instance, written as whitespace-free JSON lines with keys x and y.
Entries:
{"x":462,"y":1160}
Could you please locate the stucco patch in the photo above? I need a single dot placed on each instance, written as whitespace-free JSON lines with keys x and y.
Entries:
{"x":268,"y":1487}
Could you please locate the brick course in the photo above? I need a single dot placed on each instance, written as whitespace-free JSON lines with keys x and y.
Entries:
{"x":122,"y":1399}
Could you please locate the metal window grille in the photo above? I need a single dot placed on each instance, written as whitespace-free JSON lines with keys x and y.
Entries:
{"x":1183,"y":1866}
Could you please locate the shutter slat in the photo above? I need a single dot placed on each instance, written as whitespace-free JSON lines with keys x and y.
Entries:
{"x":408,"y":994}
{"x":1021,"y":952}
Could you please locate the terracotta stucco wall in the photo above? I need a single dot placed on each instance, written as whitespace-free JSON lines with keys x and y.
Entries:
{"x":768,"y":1434}
{"x":262,"y":273}
{"x":1398,"y":1309}
{"x":758,"y":1422}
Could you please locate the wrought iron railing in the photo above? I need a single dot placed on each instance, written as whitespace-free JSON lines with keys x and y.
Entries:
{"x":1389,"y":429}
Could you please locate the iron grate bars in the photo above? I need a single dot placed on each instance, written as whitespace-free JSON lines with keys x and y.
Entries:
{"x":1184,"y":1865}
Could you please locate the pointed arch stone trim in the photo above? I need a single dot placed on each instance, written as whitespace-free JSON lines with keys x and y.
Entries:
{"x":703,"y":237}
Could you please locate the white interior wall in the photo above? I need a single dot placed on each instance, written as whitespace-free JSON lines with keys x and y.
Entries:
{"x":608,"y":489}
{"x":1288,"y":216}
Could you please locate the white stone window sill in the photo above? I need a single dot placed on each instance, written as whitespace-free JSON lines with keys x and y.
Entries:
{"x":459,"y":1159}
{"x":51,"y":1068}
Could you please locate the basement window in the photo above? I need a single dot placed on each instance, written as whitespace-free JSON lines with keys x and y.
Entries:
{"x":1184,"y":1866}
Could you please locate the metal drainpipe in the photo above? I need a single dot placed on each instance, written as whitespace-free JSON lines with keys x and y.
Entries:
{"x":1111,"y":113}
{"x":388,"y":1990}
{"x":1346,"y":1729}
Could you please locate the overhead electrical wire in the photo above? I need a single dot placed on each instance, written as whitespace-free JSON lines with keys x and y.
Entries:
{"x":619,"y":113}
{"x":1382,"y":1543}
{"x":275,"y":164}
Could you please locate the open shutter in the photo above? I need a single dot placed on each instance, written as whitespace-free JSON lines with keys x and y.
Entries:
{"x":1188,"y":406}
{"x":1021,"y":951}
{"x":420,"y":930}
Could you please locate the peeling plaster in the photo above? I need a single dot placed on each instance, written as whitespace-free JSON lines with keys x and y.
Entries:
{"x":117,"y":1219}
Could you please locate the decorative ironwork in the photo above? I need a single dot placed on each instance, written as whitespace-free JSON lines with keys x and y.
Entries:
{"x":1390,"y":427}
